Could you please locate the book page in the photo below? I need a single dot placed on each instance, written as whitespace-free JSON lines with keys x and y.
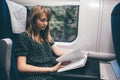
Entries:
{"x":78,"y":59}
{"x":75,"y":64}
{"x":73,"y":55}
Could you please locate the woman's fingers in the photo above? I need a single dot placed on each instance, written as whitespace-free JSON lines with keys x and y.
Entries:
{"x":66,"y":62}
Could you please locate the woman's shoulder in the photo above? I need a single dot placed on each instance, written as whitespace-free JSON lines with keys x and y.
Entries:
{"x":23,"y":35}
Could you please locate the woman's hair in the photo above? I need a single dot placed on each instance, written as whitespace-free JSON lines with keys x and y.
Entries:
{"x":33,"y":30}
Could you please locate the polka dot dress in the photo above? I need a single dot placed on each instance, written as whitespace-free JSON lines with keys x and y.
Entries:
{"x":36,"y":54}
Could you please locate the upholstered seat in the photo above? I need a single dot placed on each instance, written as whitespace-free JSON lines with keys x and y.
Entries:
{"x":5,"y":58}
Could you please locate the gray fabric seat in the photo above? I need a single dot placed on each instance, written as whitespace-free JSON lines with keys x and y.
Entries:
{"x":5,"y":58}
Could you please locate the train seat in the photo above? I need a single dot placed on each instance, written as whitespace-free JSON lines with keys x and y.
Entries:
{"x":5,"y":58}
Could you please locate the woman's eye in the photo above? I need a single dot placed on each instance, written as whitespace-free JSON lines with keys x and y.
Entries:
{"x":43,"y":20}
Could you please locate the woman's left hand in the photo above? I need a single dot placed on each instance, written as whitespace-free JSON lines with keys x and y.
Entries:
{"x":65,"y":63}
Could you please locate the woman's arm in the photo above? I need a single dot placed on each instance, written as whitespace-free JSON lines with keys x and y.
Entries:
{"x":57,"y":51}
{"x":23,"y":67}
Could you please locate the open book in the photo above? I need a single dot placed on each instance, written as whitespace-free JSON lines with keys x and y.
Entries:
{"x":77,"y":57}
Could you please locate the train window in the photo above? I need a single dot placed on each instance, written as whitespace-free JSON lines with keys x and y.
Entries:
{"x":64,"y":21}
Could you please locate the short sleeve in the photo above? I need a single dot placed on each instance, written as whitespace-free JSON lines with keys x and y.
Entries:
{"x":21,"y":45}
{"x":52,"y":42}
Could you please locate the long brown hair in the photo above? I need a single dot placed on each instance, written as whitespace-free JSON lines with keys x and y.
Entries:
{"x":33,"y":30}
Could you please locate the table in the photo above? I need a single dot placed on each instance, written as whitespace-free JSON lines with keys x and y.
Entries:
{"x":91,"y":71}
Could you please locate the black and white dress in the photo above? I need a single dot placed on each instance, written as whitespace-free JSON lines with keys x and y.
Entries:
{"x":36,"y":54}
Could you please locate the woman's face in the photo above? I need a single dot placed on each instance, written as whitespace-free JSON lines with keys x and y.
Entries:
{"x":42,"y":22}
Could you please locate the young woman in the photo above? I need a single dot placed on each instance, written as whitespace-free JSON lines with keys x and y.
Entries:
{"x":34,"y":48}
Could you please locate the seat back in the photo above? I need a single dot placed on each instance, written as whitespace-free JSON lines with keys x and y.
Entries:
{"x":5,"y":58}
{"x":115,"y":22}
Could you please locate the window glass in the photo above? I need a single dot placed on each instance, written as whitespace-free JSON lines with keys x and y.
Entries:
{"x":64,"y":22}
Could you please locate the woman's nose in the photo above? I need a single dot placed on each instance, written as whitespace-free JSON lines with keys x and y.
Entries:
{"x":45,"y":22}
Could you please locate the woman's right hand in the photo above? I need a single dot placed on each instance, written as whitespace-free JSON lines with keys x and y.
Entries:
{"x":56,"y":67}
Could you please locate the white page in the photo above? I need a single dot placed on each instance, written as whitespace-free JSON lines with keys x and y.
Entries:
{"x":73,"y":55}
{"x":73,"y":65}
{"x":78,"y":59}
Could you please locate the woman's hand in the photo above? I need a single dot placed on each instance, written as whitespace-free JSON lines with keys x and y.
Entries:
{"x":59,"y":65}
{"x":56,"y":67}
{"x":63,"y":64}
